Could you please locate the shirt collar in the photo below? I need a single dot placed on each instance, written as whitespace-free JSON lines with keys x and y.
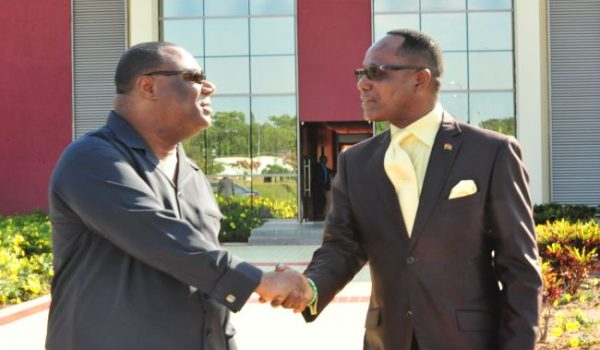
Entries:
{"x":125,"y":132}
{"x":424,"y":128}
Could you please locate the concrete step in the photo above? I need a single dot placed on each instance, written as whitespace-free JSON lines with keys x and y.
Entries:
{"x":287,"y":231}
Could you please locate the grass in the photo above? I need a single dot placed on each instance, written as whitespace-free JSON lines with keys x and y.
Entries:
{"x":281,"y":190}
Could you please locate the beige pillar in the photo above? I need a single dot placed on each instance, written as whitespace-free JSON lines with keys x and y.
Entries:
{"x":532,"y":101}
{"x":143,"y":21}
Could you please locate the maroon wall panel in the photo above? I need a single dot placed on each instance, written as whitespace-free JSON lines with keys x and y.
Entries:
{"x":332,"y":38}
{"x":35,"y":99}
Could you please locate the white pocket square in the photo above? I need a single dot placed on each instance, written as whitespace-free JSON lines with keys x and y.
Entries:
{"x":462,"y":189}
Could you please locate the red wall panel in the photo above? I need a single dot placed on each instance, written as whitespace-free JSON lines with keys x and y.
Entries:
{"x":333,"y":36}
{"x":35,"y":99}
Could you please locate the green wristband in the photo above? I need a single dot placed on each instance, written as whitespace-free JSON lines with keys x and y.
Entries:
{"x":315,"y":291}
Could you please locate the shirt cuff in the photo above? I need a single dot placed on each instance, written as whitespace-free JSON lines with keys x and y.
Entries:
{"x":237,"y":284}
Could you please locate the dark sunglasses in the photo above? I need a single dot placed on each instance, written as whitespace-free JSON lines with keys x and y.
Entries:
{"x":375,"y":72}
{"x":193,"y":76}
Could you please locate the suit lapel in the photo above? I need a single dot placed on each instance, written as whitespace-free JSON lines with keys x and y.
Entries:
{"x":443,"y":153}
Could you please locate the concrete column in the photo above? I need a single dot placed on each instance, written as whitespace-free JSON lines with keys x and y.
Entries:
{"x":143,"y":21}
{"x":532,"y":101}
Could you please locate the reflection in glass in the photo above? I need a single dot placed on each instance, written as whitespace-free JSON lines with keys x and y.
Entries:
{"x":455,"y":73}
{"x":491,"y":70}
{"x":231,"y":104}
{"x":274,"y":147}
{"x":490,"y":31}
{"x":228,"y":137}
{"x":273,"y":75}
{"x":227,"y":37}
{"x":264,"y":107}
{"x":226,"y":7}
{"x":230,"y":120}
{"x":172,"y":8}
{"x":185,"y":32}
{"x":436,"y":5}
{"x":271,"y":7}
{"x":272,"y":36}
{"x":448,"y":29}
{"x":275,"y":137}
{"x":489,"y":4}
{"x":385,"y":23}
{"x":456,"y":104}
{"x":229,"y":74}
{"x":494,"y":111}
{"x":395,"y":5}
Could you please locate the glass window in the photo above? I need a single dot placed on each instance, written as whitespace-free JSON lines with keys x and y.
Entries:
{"x":455,"y":71}
{"x":274,"y":129}
{"x":489,"y":4}
{"x":227,"y":37}
{"x":229,"y":74}
{"x":272,"y":36}
{"x":395,"y":5}
{"x":437,"y":5}
{"x":448,"y":29}
{"x":272,"y":7}
{"x":490,"y":31}
{"x":490,"y":70}
{"x":263,"y":107}
{"x":228,"y":137}
{"x":456,"y":104}
{"x":185,"y":32}
{"x":226,"y":8}
{"x":493,"y":110}
{"x":231,"y":104}
{"x":273,"y":75}
{"x":274,"y":146}
{"x":182,"y":8}
{"x":385,"y":23}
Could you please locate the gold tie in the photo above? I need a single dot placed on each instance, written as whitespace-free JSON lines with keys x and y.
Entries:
{"x":401,"y":172}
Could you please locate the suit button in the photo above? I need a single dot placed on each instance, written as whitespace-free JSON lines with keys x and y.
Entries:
{"x":409,"y":314}
{"x":208,"y":333}
{"x":411,"y":260}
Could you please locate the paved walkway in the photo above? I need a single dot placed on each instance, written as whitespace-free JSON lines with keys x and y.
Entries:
{"x":258,"y":326}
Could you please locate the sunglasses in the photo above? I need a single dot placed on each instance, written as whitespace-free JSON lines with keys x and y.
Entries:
{"x":374,"y":72}
{"x":193,"y":76}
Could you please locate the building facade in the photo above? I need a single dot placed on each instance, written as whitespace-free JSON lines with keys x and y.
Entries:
{"x":286,"y":95}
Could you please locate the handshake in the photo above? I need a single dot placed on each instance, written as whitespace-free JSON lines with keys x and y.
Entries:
{"x":285,"y":287}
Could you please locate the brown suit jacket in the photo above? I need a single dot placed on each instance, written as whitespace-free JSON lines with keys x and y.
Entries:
{"x":468,"y":278}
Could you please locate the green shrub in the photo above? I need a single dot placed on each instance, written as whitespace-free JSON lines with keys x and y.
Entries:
{"x":238,"y":219}
{"x":569,"y":252}
{"x":25,"y":257}
{"x":241,"y":215}
{"x":551,"y":212}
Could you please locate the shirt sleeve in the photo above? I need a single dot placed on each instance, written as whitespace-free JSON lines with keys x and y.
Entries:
{"x":103,"y":190}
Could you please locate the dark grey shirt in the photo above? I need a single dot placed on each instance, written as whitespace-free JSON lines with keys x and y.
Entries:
{"x":136,"y":257}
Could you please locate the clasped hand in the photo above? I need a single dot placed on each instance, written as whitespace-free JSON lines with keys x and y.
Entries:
{"x":285,"y":287}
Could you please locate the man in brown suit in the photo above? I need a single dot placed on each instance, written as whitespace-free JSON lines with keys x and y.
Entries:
{"x":461,"y":270}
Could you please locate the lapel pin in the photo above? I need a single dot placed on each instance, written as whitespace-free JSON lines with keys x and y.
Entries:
{"x":447,"y":147}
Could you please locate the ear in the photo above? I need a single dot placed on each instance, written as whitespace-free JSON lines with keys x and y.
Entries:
{"x":423,"y":79}
{"x":144,"y":87}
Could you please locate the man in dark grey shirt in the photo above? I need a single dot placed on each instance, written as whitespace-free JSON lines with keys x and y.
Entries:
{"x":136,"y":256}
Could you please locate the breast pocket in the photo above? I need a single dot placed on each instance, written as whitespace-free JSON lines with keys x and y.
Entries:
{"x":462,"y":203}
